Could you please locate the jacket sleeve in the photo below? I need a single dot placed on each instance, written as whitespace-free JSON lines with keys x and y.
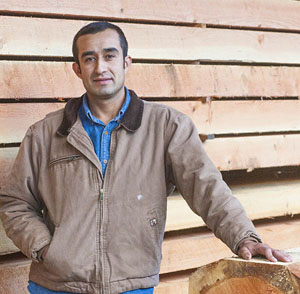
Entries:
{"x":202,"y":186}
{"x":20,"y":204}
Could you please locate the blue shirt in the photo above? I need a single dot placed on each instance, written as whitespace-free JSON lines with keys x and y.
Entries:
{"x":98,"y":132}
{"x":100,"y":135}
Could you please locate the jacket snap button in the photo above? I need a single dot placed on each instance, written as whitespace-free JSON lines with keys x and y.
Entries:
{"x":153,"y":222}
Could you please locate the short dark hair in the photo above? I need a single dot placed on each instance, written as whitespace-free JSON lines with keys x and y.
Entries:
{"x":96,"y":27}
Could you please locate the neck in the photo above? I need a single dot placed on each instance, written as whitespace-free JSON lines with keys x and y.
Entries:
{"x":106,"y":109}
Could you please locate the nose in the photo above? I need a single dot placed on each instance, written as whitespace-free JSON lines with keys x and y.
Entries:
{"x":101,"y":66}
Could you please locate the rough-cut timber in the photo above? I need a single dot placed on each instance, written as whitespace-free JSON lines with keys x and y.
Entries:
{"x":254,"y":151}
{"x":261,"y":200}
{"x":273,"y":14}
{"x":57,"y":79}
{"x":191,"y":250}
{"x":235,"y":153}
{"x":53,"y":37}
{"x":14,"y":277}
{"x":237,"y":276}
{"x":217,"y":117}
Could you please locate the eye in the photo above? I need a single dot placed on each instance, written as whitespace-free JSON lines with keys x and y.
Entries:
{"x":109,"y":56}
{"x":89,"y":59}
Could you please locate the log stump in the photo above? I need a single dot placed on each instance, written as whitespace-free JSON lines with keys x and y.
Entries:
{"x":238,"y":276}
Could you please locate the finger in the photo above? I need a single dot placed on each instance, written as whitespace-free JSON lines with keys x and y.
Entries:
{"x":262,"y":249}
{"x":282,"y":256}
{"x":245,"y":253}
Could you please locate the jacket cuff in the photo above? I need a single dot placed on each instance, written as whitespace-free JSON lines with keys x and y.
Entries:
{"x":36,"y":254}
{"x":249,"y":237}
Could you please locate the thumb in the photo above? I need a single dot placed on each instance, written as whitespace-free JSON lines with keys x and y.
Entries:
{"x":245,"y":253}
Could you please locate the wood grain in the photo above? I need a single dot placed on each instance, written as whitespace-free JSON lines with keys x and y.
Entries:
{"x":56,"y":79}
{"x":197,"y":249}
{"x":53,"y":37}
{"x":191,"y":251}
{"x":254,"y":152}
{"x":242,"y":152}
{"x":216,"y":117}
{"x":261,"y":200}
{"x":273,"y":14}
{"x":242,"y":277}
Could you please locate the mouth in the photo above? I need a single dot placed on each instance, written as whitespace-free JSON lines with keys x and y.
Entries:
{"x":102,"y":81}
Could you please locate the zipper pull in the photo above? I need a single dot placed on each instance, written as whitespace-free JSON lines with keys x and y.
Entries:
{"x":101,"y":193}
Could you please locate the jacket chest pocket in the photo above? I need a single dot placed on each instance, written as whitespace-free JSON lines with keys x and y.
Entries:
{"x":64,"y":159}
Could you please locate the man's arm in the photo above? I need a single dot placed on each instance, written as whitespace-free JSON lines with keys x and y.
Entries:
{"x":203,"y":188}
{"x":20,"y":204}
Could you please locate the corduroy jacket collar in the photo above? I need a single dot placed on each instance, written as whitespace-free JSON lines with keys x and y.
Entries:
{"x":131,"y":120}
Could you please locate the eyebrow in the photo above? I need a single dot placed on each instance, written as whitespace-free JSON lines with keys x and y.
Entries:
{"x":105,"y":50}
{"x":86,"y":53}
{"x":110,"y":49}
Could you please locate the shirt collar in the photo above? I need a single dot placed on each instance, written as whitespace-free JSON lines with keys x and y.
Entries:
{"x":131,"y":119}
{"x":87,"y":112}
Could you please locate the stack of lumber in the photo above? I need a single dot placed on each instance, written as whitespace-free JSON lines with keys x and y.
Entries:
{"x":232,"y":66}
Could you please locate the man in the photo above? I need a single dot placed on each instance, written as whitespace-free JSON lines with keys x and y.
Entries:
{"x":87,"y":196}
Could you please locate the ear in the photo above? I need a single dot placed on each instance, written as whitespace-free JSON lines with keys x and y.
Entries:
{"x":127,"y":63}
{"x":77,"y":70}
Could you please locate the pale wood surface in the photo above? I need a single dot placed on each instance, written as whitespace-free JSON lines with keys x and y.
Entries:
{"x":262,"y":200}
{"x":261,"y":14}
{"x":254,"y":151}
{"x":197,"y":249}
{"x":216,"y":117}
{"x":56,"y":79}
{"x":227,"y":153}
{"x":16,"y":118}
{"x":14,"y":279}
{"x":53,"y":37}
{"x":194,"y":250}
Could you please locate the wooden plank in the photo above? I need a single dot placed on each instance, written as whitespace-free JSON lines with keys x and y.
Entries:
{"x":246,"y":152}
{"x":16,"y":118}
{"x":274,"y":14}
{"x":53,"y":37}
{"x":6,"y":245}
{"x":14,"y":278}
{"x":56,"y":79}
{"x":173,"y":283}
{"x":254,"y":151}
{"x":7,"y":157}
{"x":262,"y":200}
{"x":194,"y":250}
{"x":217,"y":117}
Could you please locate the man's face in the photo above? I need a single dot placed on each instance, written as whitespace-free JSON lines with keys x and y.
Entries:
{"x":101,"y":66}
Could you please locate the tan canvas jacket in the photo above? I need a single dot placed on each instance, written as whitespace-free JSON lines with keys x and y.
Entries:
{"x":105,"y":235}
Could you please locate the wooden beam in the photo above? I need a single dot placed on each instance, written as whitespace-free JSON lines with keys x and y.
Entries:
{"x":14,"y":278}
{"x":16,"y":118}
{"x":193,"y":250}
{"x":254,"y":151}
{"x":235,"y":275}
{"x":56,"y":79}
{"x":217,"y":117}
{"x":273,"y":14}
{"x":235,"y":153}
{"x":261,"y":200}
{"x":53,"y":37}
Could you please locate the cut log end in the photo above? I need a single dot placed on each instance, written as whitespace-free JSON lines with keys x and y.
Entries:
{"x":237,"y":276}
